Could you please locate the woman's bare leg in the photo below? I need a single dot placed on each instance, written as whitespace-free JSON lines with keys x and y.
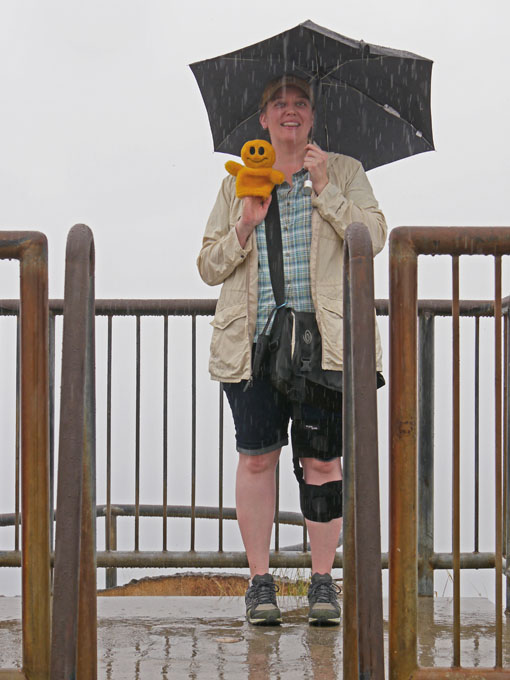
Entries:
{"x":255,"y":503}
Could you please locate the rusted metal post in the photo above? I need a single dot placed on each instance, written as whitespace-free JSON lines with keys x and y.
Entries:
{"x":52,"y":421}
{"x":74,"y":647}
{"x":498,"y":462}
{"x":350,"y":603}
{"x":506,"y":459}
{"x":220,"y":470}
{"x":403,"y":435}
{"x":87,"y":621}
{"x":193,"y":429}
{"x":366,"y":464}
{"x":110,"y":518}
{"x":35,"y":455}
{"x":137,"y":433}
{"x":456,"y":459}
{"x":426,"y":454}
{"x":165,"y":432}
{"x":17,"y":492}
{"x":477,"y":437}
{"x":31,"y":249}
{"x":360,"y":392}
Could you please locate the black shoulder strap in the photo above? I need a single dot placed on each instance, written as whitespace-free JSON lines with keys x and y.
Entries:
{"x":275,"y":250}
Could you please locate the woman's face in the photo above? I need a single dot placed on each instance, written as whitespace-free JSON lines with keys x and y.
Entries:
{"x":288,"y":116}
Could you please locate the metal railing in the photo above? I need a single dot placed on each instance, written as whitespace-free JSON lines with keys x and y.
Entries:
{"x":405,"y":246}
{"x":165,"y":507}
{"x":363,"y":636}
{"x":112,"y":559}
{"x":412,"y":437}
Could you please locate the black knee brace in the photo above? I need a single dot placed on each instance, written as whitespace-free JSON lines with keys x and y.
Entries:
{"x":319,"y":503}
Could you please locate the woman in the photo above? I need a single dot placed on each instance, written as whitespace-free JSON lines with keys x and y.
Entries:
{"x":234,"y":253}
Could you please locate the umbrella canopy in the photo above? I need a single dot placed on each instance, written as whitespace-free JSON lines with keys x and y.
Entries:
{"x":372,"y":102}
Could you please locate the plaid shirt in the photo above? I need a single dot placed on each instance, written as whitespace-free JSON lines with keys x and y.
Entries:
{"x":296,"y":225}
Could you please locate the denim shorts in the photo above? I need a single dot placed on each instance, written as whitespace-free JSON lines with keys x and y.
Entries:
{"x":261,"y":418}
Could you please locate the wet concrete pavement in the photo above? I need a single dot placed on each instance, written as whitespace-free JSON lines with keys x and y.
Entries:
{"x":208,"y":638}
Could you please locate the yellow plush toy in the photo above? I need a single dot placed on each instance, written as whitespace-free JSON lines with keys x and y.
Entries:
{"x":258,"y":177}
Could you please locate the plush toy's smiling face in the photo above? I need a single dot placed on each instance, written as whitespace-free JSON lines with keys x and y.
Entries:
{"x":258,"y":154}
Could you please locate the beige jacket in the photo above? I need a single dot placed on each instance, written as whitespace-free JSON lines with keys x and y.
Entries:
{"x":347,"y":198}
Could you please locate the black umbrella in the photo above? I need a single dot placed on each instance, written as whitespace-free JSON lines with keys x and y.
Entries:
{"x":372,"y":103}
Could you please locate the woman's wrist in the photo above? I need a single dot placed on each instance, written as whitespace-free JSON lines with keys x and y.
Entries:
{"x":319,"y":183}
{"x":242,"y":232}
{"x":320,"y":186}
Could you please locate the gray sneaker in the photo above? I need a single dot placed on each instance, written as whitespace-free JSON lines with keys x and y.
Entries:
{"x":323,"y":601}
{"x":260,"y":598}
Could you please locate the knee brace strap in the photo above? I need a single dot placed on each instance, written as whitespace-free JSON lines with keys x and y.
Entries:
{"x":319,"y":503}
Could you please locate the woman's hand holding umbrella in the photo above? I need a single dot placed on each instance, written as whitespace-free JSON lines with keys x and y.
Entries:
{"x":316,"y":162}
{"x":254,"y":211}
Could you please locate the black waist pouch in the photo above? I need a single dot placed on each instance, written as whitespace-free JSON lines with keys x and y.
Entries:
{"x":293,"y":352}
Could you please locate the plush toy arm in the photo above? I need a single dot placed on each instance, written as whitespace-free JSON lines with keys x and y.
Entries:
{"x":233,"y":168}
{"x":277,"y":177}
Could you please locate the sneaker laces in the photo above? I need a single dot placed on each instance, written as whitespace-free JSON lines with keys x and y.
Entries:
{"x":264,"y":592}
{"x":324,"y":591}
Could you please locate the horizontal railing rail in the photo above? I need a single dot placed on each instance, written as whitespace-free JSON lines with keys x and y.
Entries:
{"x":207,"y":307}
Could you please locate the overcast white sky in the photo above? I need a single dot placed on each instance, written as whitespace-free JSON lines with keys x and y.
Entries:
{"x":101,"y":122}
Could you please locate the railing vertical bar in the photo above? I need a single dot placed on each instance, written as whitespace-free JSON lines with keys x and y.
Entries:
{"x":18,"y":433}
{"x":277,"y":509}
{"x":498,"y":462}
{"x":456,"y":460}
{"x":477,"y":434}
{"x":426,"y":454}
{"x":137,"y":436}
{"x":51,"y":406}
{"x":193,"y":426}
{"x":111,"y":572}
{"x":220,"y":471}
{"x":403,"y":585}
{"x":305,"y":537}
{"x":165,"y":431}
{"x":505,"y":429}
{"x":506,"y":453}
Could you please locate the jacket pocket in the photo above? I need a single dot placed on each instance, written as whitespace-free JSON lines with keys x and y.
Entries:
{"x":228,"y":342}
{"x":330,"y":314}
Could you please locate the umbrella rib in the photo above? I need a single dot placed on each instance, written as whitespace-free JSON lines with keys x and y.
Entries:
{"x":384,"y":107}
{"x":346,"y":63}
{"x":258,"y":61}
{"x":246,"y":120}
